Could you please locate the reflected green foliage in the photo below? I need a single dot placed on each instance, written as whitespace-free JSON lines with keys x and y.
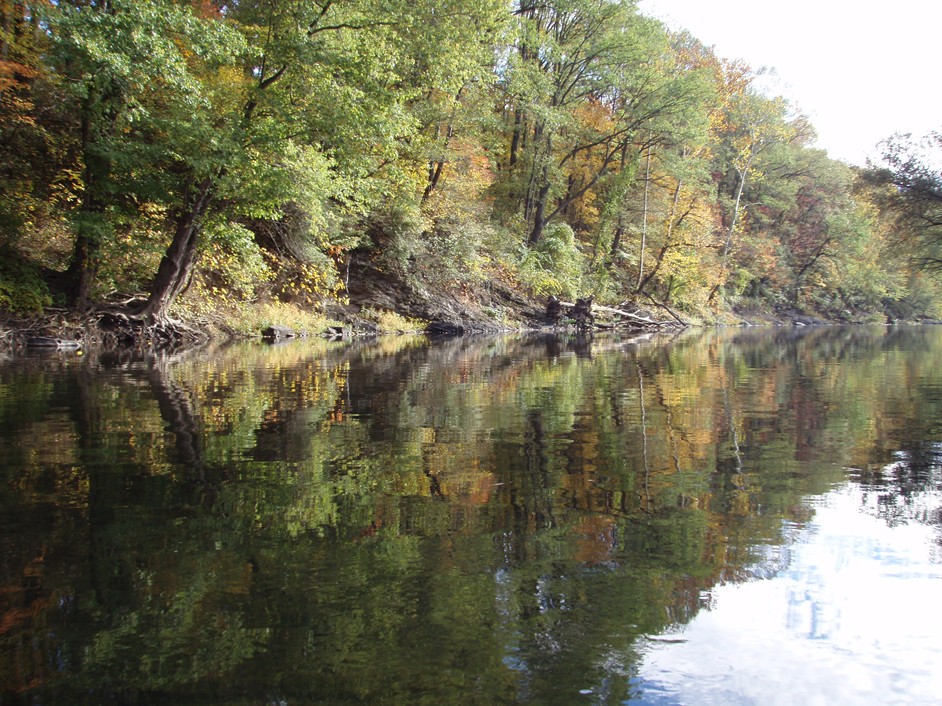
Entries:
{"x":494,"y":520}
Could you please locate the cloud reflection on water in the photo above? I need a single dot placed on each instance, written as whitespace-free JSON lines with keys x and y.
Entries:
{"x":851,"y":620}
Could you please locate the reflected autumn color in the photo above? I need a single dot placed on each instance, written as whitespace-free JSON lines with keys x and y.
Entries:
{"x":480,"y":520}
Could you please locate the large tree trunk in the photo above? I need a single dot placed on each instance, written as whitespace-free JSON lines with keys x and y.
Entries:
{"x":540,"y":179}
{"x":434,"y":176}
{"x":620,"y":228}
{"x":515,"y":139}
{"x":83,"y":269}
{"x":176,"y":265}
{"x":101,"y":110}
{"x":538,"y":167}
{"x":616,"y":240}
{"x":436,"y":168}
{"x":539,"y":210}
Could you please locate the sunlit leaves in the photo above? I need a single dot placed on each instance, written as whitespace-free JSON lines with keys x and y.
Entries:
{"x":437,"y":136}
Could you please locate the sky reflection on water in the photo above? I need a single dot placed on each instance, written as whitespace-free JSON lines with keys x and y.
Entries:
{"x":853,"y":619}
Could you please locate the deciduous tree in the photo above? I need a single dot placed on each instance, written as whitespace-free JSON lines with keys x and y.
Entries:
{"x":912,"y":168}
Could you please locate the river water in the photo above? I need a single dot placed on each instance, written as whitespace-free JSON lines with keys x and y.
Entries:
{"x":722,"y":517}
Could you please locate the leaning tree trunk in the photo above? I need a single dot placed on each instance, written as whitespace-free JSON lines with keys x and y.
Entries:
{"x":541,"y":179}
{"x":515,"y":139}
{"x":177,"y":263}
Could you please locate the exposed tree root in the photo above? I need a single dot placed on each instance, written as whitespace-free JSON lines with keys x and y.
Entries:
{"x":121,"y":328}
{"x":111,"y":326}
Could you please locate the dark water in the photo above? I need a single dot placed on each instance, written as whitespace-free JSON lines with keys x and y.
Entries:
{"x":740,"y":517}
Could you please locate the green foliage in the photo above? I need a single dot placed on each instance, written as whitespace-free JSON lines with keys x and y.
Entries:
{"x":22,"y":288}
{"x":232,"y":261}
{"x":397,"y":232}
{"x":555,"y":264}
{"x":250,"y":318}
{"x":12,"y":221}
{"x":919,"y":296}
{"x":277,"y":137}
{"x":911,"y":168}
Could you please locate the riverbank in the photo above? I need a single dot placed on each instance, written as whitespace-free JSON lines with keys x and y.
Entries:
{"x":375,"y":303}
{"x":380,"y":313}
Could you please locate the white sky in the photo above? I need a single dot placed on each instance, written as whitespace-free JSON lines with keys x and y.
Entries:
{"x":860,"y":70}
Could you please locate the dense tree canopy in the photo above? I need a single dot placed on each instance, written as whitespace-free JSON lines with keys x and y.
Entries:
{"x":913,"y":171}
{"x":572,"y":147}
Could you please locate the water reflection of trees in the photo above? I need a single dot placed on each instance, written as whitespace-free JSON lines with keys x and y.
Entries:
{"x":486,"y":517}
{"x":908,"y":489}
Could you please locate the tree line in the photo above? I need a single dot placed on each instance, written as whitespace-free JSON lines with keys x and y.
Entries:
{"x":259,"y":148}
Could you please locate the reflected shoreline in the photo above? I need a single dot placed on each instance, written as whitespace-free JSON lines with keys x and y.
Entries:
{"x":517,"y":511}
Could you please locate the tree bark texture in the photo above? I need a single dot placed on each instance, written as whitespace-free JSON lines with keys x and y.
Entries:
{"x":177,"y":263}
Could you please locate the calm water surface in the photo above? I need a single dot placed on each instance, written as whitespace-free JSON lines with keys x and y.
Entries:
{"x":733,"y":517}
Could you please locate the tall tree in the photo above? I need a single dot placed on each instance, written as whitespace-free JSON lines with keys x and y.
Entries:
{"x":911,"y":167}
{"x":27,"y":169}
{"x":650,"y":204}
{"x":330,"y":114}
{"x":126,"y":66}
{"x":573,"y":54}
{"x":757,"y":124}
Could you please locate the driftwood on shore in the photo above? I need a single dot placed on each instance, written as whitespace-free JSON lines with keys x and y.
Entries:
{"x":584,"y":314}
{"x":50,"y":342}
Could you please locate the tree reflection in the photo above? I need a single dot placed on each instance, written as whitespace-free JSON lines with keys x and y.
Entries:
{"x":480,"y":520}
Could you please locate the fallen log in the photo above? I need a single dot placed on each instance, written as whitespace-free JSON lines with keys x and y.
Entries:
{"x":628,"y":315}
{"x":51,"y":342}
{"x":585,"y":314}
